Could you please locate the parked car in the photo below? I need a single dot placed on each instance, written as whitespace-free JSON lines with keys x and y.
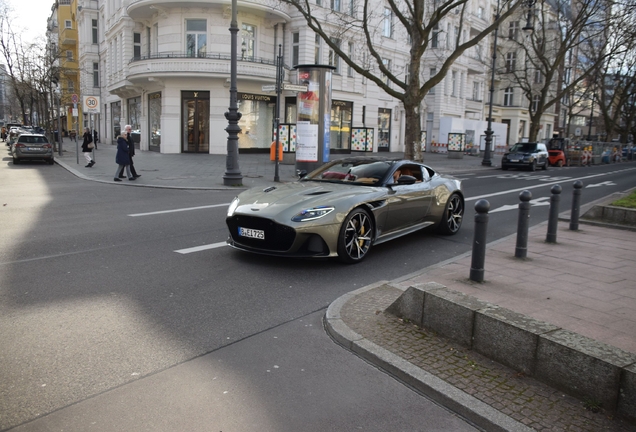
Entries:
{"x":526,"y":155}
{"x":344,"y":208}
{"x":32,"y":147}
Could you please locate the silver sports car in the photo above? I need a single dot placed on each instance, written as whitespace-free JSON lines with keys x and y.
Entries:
{"x":345,"y":207}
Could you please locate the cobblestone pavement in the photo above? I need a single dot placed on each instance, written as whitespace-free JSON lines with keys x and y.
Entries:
{"x":526,"y":400}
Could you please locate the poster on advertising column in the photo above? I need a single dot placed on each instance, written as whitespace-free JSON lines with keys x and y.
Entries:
{"x":306,"y":142}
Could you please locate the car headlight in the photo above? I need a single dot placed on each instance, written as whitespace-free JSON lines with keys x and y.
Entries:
{"x":312,"y":214}
{"x":233,"y":205}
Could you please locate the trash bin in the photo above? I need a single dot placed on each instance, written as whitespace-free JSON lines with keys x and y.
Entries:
{"x":272,"y":151}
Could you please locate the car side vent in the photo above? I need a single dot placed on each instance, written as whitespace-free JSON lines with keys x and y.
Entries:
{"x":377,"y":204}
{"x":318,"y":193}
{"x":269,"y":189}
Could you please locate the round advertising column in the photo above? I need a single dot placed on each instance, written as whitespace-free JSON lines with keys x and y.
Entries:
{"x":313,"y":121}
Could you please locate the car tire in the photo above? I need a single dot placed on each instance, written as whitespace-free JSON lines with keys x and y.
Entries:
{"x":16,"y":161}
{"x":560,"y":163}
{"x":356,"y":236}
{"x":50,"y":161}
{"x":545,"y":166}
{"x":453,"y":215}
{"x":504,"y":167}
{"x":533,"y":166}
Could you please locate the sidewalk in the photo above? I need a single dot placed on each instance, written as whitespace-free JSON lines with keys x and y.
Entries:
{"x":585,"y":283}
{"x":205,"y":171}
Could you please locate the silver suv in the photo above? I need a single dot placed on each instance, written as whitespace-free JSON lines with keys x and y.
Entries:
{"x":31,"y":146}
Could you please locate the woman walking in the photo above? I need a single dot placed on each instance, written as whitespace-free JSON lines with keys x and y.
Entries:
{"x":88,"y":151}
{"x":122,"y":158}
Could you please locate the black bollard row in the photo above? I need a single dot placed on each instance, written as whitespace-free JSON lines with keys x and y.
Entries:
{"x":521,"y":250}
{"x":553,"y":220}
{"x":479,"y":241}
{"x":576,"y":205}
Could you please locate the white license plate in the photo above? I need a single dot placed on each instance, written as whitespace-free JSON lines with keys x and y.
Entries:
{"x":514,"y":160}
{"x":251,"y":233}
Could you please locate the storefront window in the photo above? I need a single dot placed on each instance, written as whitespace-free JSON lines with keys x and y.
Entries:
{"x":257,"y":120}
{"x":134,"y":117}
{"x":154,"y":120}
{"x":115,"y":115}
{"x":341,"y":113}
{"x":384,"y":129}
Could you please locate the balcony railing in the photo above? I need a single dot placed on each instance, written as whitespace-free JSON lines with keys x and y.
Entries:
{"x":208,"y":56}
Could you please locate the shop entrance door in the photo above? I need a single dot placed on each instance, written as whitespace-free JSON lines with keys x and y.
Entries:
{"x":195,"y":125}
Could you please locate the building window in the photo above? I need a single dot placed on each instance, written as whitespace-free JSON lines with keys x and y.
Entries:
{"x":535,"y":102}
{"x":351,"y":54}
{"x":70,"y":86}
{"x":94,"y":31}
{"x":387,"y":65}
{"x":334,"y":59}
{"x":455,"y":36}
{"x":508,"y":93}
{"x":318,"y":3}
{"x":564,"y":117}
{"x":387,"y":30}
{"x":95,"y":74}
{"x":432,"y":73}
{"x":511,"y":62}
{"x":513,"y":30}
{"x":435,"y":37}
{"x":454,"y":83}
{"x":476,"y":91}
{"x":352,"y":7}
{"x":448,"y":36}
{"x":480,"y":12}
{"x":137,"y":45}
{"x":295,"y":48}
{"x":69,"y":55}
{"x":248,"y":41}
{"x":317,"y":54}
{"x":538,"y":77}
{"x":335,"y":5}
{"x":68,"y":24}
{"x":196,"y":38}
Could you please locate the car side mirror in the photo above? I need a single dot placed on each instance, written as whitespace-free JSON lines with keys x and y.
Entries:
{"x":406,"y":180}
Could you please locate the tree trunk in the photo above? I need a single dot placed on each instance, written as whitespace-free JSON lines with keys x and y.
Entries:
{"x":412,"y":132}
{"x":534,"y":131}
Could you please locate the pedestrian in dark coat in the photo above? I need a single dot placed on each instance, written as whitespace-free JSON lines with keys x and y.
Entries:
{"x":131,"y":152}
{"x":122,"y":158}
{"x":88,"y":152}
{"x":95,"y":138}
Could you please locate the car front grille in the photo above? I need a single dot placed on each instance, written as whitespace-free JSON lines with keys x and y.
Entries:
{"x":277,"y":237}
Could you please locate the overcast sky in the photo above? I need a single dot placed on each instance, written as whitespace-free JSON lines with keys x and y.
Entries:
{"x":30,"y":16}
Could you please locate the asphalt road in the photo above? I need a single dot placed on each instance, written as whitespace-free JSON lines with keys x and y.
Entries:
{"x":113,"y":322}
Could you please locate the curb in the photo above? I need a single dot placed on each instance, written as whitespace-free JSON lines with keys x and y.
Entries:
{"x":436,"y":389}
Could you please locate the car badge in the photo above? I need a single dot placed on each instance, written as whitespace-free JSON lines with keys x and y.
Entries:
{"x":258,"y":206}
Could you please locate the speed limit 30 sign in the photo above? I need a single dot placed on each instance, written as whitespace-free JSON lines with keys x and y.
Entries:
{"x":91,"y":104}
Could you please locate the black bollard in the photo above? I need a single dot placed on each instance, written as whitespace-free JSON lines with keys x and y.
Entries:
{"x":553,"y":219}
{"x":521,"y":251}
{"x":576,"y":204}
{"x":479,"y":241}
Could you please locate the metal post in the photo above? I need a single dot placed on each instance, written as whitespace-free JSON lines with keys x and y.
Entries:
{"x":479,"y":241}
{"x":59,"y":126}
{"x":521,"y":250}
{"x":576,"y":205}
{"x":279,"y":85}
{"x":553,"y":220}
{"x":232,"y":176}
{"x":489,"y":132}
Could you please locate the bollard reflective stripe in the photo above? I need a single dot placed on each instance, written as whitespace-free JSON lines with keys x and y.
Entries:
{"x":521,"y":249}
{"x":553,"y":219}
{"x":479,"y":241}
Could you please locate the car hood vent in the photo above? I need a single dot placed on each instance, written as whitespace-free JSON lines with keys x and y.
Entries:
{"x":317,"y":193}
{"x":269,"y":189}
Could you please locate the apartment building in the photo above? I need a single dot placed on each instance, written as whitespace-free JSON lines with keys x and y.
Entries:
{"x":163,"y":67}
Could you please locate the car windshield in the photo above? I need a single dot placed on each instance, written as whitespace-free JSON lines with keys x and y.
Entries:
{"x":357,"y":172}
{"x":523,"y":148}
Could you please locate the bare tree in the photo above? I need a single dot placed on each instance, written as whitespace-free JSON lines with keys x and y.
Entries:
{"x":569,"y":45}
{"x":418,"y":24}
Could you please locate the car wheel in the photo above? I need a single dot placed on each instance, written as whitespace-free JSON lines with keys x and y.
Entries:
{"x":16,"y":161}
{"x":545,"y":166}
{"x":560,"y":163}
{"x":356,"y":235}
{"x":533,"y":165}
{"x":50,"y":161}
{"x":453,"y":215}
{"x":504,"y":167}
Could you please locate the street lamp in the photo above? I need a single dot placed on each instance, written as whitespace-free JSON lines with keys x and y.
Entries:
{"x":232,"y":176}
{"x":489,"y":132}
